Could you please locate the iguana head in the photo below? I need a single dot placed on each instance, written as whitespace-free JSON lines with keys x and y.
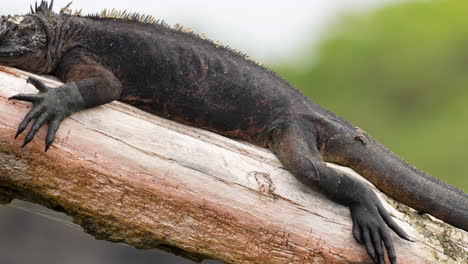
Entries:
{"x":20,"y":36}
{"x":24,"y":40}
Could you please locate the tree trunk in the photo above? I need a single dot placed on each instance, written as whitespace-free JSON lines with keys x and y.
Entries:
{"x":128,"y":176}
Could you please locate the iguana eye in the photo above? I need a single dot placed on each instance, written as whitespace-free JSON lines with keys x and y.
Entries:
{"x":4,"y":30}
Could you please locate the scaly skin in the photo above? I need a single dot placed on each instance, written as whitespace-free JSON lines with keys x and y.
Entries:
{"x":183,"y":77}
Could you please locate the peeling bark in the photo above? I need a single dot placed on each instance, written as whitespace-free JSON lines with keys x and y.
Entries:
{"x":128,"y":176}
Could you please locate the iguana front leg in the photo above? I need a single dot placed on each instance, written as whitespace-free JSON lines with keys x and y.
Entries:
{"x":87,"y":84}
{"x":295,"y":144}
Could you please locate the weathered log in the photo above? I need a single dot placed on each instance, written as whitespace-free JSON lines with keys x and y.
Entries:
{"x":127,"y":176}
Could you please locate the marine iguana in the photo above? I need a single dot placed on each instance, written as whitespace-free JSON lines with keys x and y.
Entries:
{"x":184,"y":77}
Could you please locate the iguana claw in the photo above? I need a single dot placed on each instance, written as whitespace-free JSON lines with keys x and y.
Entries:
{"x":50,"y":105}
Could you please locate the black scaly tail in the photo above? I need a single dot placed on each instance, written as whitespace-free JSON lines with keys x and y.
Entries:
{"x":397,"y":178}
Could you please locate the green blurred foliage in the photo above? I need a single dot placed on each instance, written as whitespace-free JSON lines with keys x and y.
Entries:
{"x":401,"y":74}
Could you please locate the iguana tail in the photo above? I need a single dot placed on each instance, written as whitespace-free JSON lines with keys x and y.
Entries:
{"x":397,"y":178}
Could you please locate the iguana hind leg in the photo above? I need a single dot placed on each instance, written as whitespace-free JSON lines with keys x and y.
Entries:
{"x":295,"y":143}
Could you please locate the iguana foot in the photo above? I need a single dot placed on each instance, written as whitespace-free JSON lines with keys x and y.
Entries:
{"x":50,"y":105}
{"x":369,"y":228}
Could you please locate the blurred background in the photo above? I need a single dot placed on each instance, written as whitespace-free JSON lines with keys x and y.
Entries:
{"x":397,"y":69}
